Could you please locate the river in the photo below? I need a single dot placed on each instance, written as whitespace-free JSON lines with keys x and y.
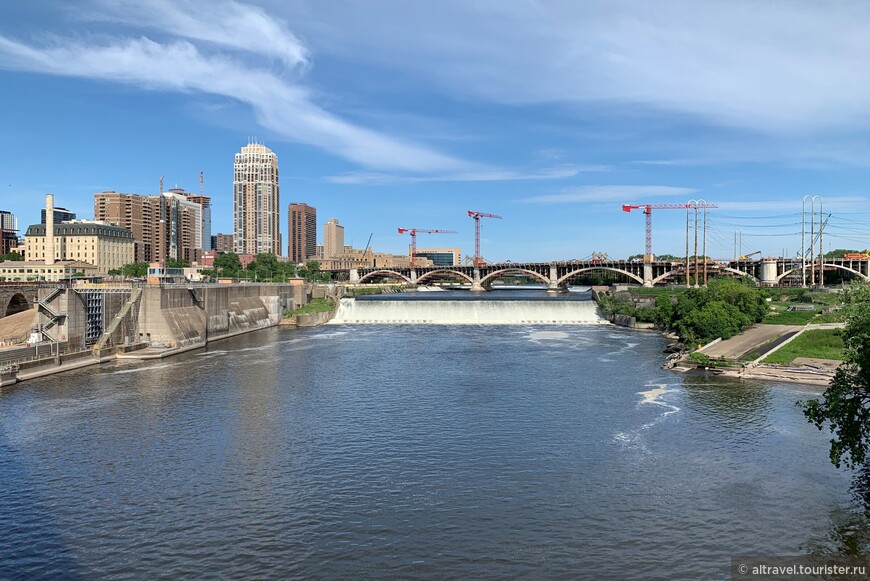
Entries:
{"x":413,"y":451}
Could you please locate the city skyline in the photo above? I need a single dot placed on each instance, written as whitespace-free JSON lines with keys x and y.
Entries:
{"x":551,"y":132}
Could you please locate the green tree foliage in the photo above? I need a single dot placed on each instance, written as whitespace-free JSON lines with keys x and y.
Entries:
{"x":133,"y":270}
{"x":13,"y":256}
{"x":174,"y":263}
{"x":228,"y":264}
{"x":723,"y":309}
{"x":663,"y":257}
{"x":845,"y":405}
{"x":312,"y":273}
{"x":266,"y":266}
{"x":839,"y":252}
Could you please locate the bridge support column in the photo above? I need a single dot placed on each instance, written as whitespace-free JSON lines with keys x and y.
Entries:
{"x":475,"y":285}
{"x":647,"y":274}
{"x":354,"y":275}
{"x":553,"y":285}
{"x":413,"y":276}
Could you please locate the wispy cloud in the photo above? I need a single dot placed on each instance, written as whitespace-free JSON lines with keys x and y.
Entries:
{"x":608,"y":194}
{"x":483,"y":175}
{"x":280,"y":102}
{"x":225,"y":23}
{"x":763,"y":66}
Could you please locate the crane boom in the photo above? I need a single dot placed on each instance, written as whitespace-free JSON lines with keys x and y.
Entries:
{"x":413,"y":233}
{"x":647,"y":211}
{"x":478,"y":261}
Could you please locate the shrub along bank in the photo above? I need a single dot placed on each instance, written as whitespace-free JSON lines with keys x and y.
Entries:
{"x":723,"y":309}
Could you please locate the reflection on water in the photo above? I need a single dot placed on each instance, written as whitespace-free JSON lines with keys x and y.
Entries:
{"x":416,"y":452}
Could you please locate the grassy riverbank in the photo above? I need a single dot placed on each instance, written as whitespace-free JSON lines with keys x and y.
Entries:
{"x":318,"y":305}
{"x":815,"y":344}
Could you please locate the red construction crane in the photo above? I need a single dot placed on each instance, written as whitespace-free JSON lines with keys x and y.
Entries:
{"x":647,"y":210}
{"x":413,"y":232}
{"x":478,"y":261}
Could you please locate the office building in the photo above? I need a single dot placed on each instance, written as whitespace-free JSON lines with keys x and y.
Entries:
{"x":222,"y":243}
{"x":60,"y":215}
{"x":302,"y":221}
{"x":179,"y":203}
{"x":205,"y":218}
{"x":39,"y":271}
{"x":333,"y":239}
{"x":441,"y":256}
{"x":99,"y":244}
{"x":256,"y":210}
{"x":8,"y":232}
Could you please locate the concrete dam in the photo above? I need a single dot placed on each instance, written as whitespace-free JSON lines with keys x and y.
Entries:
{"x":468,"y":311}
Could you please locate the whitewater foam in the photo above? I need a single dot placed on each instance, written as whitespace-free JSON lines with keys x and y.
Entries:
{"x":468,"y":312}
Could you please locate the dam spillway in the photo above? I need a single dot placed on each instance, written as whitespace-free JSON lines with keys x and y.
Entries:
{"x":468,"y":310}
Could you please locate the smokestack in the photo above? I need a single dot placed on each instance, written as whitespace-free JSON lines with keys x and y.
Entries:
{"x":49,"y":229}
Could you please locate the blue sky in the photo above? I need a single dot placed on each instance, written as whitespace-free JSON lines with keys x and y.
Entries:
{"x":408,"y":113}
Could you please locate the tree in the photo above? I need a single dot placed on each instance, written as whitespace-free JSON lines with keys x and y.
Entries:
{"x":13,"y":256}
{"x":175,"y":263}
{"x":228,"y":264}
{"x":134,"y":270}
{"x":845,"y":405}
{"x":312,"y":273}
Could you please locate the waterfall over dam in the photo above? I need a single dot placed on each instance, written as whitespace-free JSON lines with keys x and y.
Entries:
{"x":468,"y":311}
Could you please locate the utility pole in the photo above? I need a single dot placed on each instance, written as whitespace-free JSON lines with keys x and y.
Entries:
{"x":812,"y":200}
{"x":803,"y":242}
{"x":687,"y":246}
{"x":821,"y":245}
{"x":704,"y":251}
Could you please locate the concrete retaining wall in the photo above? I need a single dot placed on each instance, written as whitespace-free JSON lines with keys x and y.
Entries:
{"x":314,"y":319}
{"x":623,"y":321}
{"x":181,"y":317}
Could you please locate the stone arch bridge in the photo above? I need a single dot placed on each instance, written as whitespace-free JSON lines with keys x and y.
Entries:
{"x":15,"y":298}
{"x":556,"y":275}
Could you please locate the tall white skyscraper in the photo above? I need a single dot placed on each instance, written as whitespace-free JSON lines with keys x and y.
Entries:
{"x":256,"y":208}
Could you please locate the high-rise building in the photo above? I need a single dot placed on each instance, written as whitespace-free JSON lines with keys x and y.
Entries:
{"x":8,"y":232}
{"x":165,"y":226}
{"x":8,"y":221}
{"x":333,"y":239}
{"x":179,"y":199}
{"x":256,"y":211}
{"x":302,"y":223}
{"x":205,"y":205}
{"x":60,"y":215}
{"x":222,"y":243}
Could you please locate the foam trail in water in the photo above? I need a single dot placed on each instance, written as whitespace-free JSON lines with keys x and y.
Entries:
{"x":649,"y":397}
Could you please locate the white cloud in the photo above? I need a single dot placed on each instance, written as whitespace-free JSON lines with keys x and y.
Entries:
{"x":482,"y":175}
{"x":609,"y":194}
{"x":766,"y":65}
{"x":224,"y":23}
{"x":280,"y":104}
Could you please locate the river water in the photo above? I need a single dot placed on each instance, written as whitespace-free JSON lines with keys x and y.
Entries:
{"x":413,"y":451}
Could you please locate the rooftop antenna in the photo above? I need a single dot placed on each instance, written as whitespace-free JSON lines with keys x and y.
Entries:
{"x":200,"y":182}
{"x":161,"y":185}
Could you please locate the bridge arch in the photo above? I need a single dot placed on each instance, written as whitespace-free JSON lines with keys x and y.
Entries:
{"x":435,"y":273}
{"x":18,"y":303}
{"x":804,"y":267}
{"x":385,"y":273}
{"x":682,"y":271}
{"x":610,"y":268}
{"x":489,"y":278}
